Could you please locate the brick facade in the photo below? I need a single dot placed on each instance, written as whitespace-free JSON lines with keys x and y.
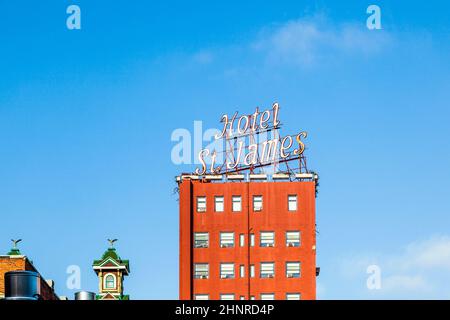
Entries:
{"x":19,"y":262}
{"x":274,"y":217}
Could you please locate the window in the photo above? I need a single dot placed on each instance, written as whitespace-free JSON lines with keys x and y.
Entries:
{"x":267,"y":296}
{"x":201,"y":204}
{"x":252,"y":240}
{"x":242,"y":298}
{"x":226,"y":239}
{"x":252,"y":271}
{"x":267,"y":239}
{"x":267,"y":270}
{"x":242,"y":271}
{"x":257,"y":203}
{"x":292,"y":296}
{"x":227,"y":296}
{"x":241,"y":239}
{"x":292,"y":202}
{"x":110,"y":281}
{"x":237,"y":203}
{"x":293,"y":269}
{"x":201,"y":240}
{"x":293,"y":238}
{"x":252,"y":297}
{"x":227,"y":270}
{"x":218,"y":204}
{"x":201,"y":297}
{"x":201,"y":271}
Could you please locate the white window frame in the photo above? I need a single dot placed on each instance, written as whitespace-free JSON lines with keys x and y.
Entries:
{"x":252,"y":239}
{"x":202,"y":241}
{"x":252,"y":271}
{"x":293,"y":296}
{"x":267,"y":270}
{"x":267,"y":296}
{"x":105,"y":282}
{"x":290,"y":265}
{"x":242,"y":271}
{"x":267,"y":239}
{"x":201,"y":200}
{"x":227,"y":270}
{"x":292,"y":202}
{"x":236,"y":206}
{"x":227,"y":296}
{"x":257,"y":199}
{"x":290,"y":239}
{"x":201,"y":296}
{"x":241,"y":240}
{"x":201,"y":274}
{"x":219,"y":204}
{"x":226,"y":239}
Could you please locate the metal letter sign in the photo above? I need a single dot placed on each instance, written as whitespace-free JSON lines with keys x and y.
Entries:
{"x":248,"y":145}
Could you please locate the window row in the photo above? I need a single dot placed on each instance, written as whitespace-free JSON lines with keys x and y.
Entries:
{"x":263,"y":296}
{"x":266,"y":239}
{"x":236,"y":203}
{"x":266,"y":270}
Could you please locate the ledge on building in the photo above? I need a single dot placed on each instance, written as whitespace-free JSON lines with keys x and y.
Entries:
{"x":310,"y":176}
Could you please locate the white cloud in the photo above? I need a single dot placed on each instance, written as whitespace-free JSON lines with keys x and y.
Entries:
{"x":418,"y":270}
{"x":306,"y":42}
{"x":429,"y":254}
{"x":402,"y":283}
{"x":309,"y":41}
{"x":203,"y":57}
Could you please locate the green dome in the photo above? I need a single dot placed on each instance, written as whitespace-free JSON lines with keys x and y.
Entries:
{"x":110,"y":253}
{"x":14,"y":252}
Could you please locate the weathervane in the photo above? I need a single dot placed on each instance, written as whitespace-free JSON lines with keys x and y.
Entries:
{"x":111,"y":242}
{"x":15,"y":242}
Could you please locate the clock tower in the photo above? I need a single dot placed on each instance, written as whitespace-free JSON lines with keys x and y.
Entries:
{"x":111,"y":270}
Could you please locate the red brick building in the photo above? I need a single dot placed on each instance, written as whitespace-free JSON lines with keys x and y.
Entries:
{"x":247,"y":239}
{"x":15,"y":261}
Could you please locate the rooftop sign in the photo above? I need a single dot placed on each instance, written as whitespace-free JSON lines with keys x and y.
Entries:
{"x":244,"y":148}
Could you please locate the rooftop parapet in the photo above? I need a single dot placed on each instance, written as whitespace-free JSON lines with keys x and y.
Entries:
{"x":311,"y":176}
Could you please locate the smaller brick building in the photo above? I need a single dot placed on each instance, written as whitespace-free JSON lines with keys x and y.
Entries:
{"x":15,"y":261}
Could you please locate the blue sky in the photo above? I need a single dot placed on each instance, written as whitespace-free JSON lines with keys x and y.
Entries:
{"x":86,"y":118}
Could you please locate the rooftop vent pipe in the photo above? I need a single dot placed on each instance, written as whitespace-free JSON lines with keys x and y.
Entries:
{"x":84,"y":295}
